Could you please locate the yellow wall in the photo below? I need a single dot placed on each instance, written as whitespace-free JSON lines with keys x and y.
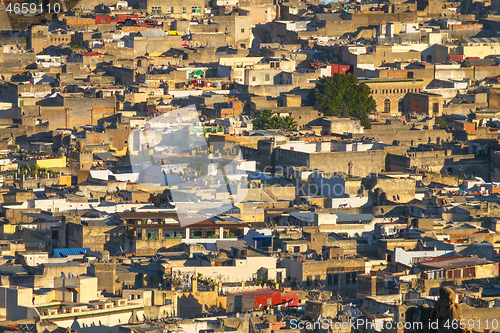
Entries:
{"x":222,"y":302}
{"x":48,"y":163}
{"x":122,"y":152}
{"x":65,"y":180}
{"x":8,"y":229}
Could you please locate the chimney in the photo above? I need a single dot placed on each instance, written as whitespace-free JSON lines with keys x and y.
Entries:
{"x":194,"y":284}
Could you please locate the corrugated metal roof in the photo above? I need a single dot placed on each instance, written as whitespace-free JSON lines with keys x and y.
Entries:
{"x":485,"y":40}
{"x":457,"y":263}
{"x":303,"y":216}
{"x":343,"y":217}
{"x":61,"y":253}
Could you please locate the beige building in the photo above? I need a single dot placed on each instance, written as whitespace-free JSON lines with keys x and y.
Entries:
{"x":336,"y":275}
{"x":256,"y":71}
{"x":178,"y":9}
{"x":389,"y":93}
{"x":341,"y":126}
{"x":73,"y":300}
{"x":41,"y":38}
{"x":424,"y":103}
{"x":154,"y":43}
{"x":238,"y":29}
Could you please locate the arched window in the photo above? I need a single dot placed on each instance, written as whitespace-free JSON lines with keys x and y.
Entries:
{"x":387,"y":105}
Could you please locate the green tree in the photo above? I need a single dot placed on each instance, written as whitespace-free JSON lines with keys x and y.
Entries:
{"x":342,"y":95}
{"x":263,"y":121}
{"x":442,"y":123}
{"x":343,"y":111}
{"x":269,"y":120}
{"x":288,"y":124}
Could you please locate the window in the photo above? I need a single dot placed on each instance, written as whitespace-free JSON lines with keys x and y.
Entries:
{"x":169,"y":10}
{"x":387,"y":105}
{"x":103,"y":20}
{"x":268,"y":77}
{"x":155,"y":10}
{"x":195,"y":10}
{"x":253,"y":78}
{"x":470,"y":272}
{"x":400,"y":105}
{"x":335,"y":278}
{"x":183,"y":10}
{"x":435,"y":108}
{"x":242,"y":30}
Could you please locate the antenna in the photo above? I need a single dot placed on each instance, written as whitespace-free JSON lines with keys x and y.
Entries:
{"x":122,"y":251}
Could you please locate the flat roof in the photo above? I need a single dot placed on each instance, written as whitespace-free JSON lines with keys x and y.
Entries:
{"x":456,"y":263}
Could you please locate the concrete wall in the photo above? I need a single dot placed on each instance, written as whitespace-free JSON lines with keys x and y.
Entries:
{"x":314,"y":272}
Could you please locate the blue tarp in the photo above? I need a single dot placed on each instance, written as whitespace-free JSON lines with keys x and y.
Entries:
{"x":262,"y":237}
{"x":61,"y":253}
{"x":259,"y":176}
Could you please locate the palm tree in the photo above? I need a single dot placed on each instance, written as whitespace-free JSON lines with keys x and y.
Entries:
{"x":288,"y":124}
{"x":262,"y":122}
{"x":269,"y":120}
